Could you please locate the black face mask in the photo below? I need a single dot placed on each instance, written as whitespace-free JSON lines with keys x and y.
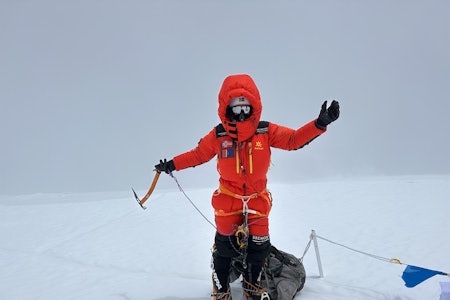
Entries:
{"x":238,"y":115}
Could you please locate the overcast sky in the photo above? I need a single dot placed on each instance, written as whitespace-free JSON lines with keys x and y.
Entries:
{"x":93,"y":93}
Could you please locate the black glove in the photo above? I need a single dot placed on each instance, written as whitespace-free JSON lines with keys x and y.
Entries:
{"x":329,"y":115}
{"x":165,"y":166}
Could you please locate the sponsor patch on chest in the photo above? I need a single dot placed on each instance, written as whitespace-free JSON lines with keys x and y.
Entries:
{"x":226,"y":149}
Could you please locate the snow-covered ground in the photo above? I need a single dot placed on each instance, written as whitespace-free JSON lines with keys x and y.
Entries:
{"x":104,"y":246}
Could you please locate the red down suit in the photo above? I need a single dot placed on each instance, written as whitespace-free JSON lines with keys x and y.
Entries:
{"x":243,"y":151}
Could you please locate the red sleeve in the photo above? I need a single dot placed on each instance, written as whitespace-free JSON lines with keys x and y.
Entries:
{"x":289,"y":139}
{"x":204,"y":152}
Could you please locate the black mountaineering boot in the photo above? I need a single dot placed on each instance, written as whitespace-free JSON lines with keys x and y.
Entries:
{"x":220,"y":292}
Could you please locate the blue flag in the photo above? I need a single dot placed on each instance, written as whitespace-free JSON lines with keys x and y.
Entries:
{"x":413,"y":275}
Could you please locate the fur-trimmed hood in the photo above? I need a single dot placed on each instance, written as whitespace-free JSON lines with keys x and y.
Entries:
{"x":235,"y":86}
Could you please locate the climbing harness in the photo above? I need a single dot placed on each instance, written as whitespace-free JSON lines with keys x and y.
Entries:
{"x":265,"y":194}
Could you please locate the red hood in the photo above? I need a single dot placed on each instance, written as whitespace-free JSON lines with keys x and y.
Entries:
{"x":234,"y":86}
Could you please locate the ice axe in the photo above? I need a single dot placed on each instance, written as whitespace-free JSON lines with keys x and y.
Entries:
{"x":150,"y":191}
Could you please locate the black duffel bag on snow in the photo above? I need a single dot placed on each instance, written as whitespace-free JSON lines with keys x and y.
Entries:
{"x":283,"y":274}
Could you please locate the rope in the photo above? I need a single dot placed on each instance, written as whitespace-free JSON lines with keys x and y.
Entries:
{"x":389,"y":260}
{"x":385,"y":259}
{"x":306,"y":249}
{"x":192,"y":203}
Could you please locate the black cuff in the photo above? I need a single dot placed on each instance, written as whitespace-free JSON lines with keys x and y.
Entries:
{"x":171,"y":165}
{"x":319,"y":125}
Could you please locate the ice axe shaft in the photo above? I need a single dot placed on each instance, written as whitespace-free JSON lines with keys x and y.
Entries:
{"x":150,"y":191}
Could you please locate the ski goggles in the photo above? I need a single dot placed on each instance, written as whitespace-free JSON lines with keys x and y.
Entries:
{"x":241,"y":108}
